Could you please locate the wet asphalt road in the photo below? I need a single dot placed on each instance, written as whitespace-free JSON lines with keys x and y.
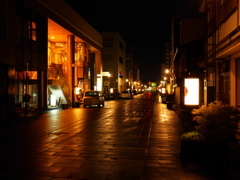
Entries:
{"x":137,"y":139}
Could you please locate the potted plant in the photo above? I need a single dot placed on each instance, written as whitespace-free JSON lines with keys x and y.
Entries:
{"x":191,"y":146}
{"x":217,"y":124}
{"x":76,"y":104}
{"x":26,"y":97}
{"x":64,"y":106}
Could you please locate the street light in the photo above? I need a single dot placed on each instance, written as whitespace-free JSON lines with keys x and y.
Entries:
{"x":128,"y":84}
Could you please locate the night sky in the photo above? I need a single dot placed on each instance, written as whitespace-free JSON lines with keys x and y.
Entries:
{"x":143,"y":25}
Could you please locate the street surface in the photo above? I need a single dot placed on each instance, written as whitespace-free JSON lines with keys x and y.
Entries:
{"x":136,"y":139}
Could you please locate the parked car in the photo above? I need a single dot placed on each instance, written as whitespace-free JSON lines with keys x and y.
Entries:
{"x":164,"y":98}
{"x":170,"y":100}
{"x":92,"y":97}
{"x":134,"y":92}
{"x":126,"y":95}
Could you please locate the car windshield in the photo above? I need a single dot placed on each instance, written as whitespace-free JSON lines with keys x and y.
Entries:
{"x":91,"y":94}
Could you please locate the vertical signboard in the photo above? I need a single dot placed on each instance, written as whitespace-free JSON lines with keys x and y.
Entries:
{"x":191,"y":91}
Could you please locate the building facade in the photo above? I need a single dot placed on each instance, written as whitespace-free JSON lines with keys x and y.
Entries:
{"x":133,"y":79}
{"x":219,"y":65}
{"x":222,"y":62}
{"x":48,"y":53}
{"x":120,"y":66}
{"x":114,"y":64}
{"x":187,"y":51}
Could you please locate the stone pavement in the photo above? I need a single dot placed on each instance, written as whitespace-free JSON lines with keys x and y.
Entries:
{"x":32,"y":150}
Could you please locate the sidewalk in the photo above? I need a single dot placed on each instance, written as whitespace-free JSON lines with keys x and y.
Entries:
{"x":143,"y":146}
{"x":183,"y":113}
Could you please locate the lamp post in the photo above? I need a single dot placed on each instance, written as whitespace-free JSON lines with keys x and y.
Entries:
{"x":167,"y":79}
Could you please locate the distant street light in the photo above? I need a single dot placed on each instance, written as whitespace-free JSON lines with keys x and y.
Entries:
{"x":128,"y":84}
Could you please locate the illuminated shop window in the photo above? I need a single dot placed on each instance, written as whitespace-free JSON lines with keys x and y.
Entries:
{"x":32,"y":30}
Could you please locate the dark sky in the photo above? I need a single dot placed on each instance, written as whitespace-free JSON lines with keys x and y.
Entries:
{"x":144,"y":25}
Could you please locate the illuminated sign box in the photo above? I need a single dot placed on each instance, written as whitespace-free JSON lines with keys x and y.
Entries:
{"x":163,"y":90}
{"x":53,"y":100}
{"x":191,"y":91}
{"x":106,"y":74}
